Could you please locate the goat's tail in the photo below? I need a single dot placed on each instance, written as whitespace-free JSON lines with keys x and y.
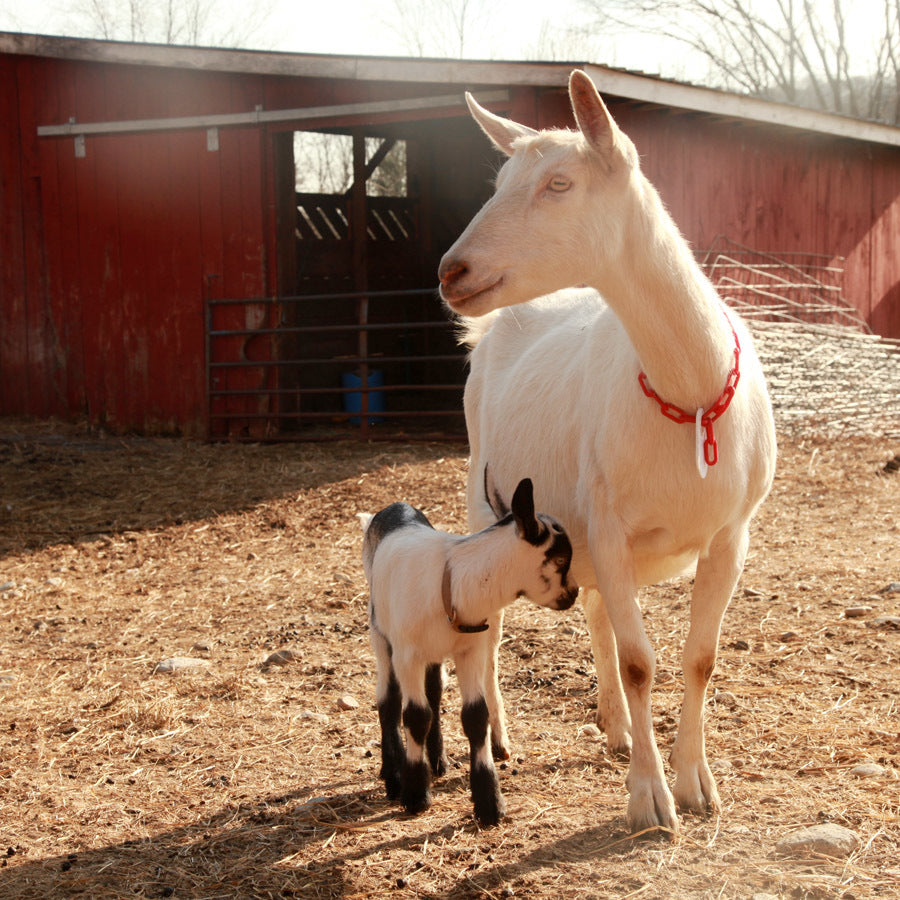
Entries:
{"x":469,"y":330}
{"x":364,"y":519}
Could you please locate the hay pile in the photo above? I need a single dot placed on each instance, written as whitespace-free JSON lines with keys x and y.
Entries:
{"x":830,"y":380}
{"x":240,"y":780}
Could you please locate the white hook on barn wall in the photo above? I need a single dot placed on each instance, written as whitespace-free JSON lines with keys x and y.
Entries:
{"x":80,"y":143}
{"x":212,"y":139}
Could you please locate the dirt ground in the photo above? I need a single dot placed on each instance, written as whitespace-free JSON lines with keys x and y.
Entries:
{"x":238,"y":780}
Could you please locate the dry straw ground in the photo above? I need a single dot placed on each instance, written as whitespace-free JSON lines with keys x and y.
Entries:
{"x":239,"y":781}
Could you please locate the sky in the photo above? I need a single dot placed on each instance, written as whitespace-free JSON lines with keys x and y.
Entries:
{"x":504,"y":29}
{"x":501,"y":29}
{"x":333,"y":26}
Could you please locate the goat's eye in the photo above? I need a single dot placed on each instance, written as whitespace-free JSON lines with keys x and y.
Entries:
{"x":559,"y":184}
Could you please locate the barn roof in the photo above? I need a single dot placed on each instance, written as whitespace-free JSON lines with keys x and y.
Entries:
{"x":618,"y":82}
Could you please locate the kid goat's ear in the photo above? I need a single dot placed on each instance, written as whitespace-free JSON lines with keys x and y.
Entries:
{"x":527,"y":526}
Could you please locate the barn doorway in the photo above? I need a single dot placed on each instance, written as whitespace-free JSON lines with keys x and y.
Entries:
{"x":371,"y":349}
{"x":355,"y":343}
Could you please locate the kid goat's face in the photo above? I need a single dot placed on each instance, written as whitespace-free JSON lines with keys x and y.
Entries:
{"x":553,"y":586}
{"x":549,"y":555}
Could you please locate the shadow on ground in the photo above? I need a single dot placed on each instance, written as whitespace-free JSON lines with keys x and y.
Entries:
{"x":65,"y":487}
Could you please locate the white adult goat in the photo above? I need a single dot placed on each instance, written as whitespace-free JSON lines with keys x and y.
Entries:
{"x":569,"y":388}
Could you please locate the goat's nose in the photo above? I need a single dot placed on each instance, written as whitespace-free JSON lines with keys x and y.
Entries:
{"x":452,"y":270}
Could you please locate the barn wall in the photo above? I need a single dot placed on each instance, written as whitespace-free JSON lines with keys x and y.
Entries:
{"x":106,"y":260}
{"x":780,"y":191}
{"x":109,"y":256}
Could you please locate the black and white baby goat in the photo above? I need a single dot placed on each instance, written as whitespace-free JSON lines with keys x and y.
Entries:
{"x":435,"y":595}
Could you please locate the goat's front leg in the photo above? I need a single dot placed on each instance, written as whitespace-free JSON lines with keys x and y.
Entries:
{"x":500,"y":746}
{"x":481,"y":515}
{"x":471,"y":668}
{"x":415,"y":792}
{"x":612,"y":712}
{"x":717,"y":575}
{"x":650,"y":803}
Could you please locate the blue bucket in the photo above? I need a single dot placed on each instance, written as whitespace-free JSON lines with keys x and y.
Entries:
{"x":353,"y":399}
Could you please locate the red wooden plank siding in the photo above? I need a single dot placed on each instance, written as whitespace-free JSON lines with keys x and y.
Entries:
{"x":844,"y":220}
{"x":39,"y":330}
{"x":185,"y":380}
{"x":884,"y":315}
{"x":56,"y":237}
{"x":14,"y":393}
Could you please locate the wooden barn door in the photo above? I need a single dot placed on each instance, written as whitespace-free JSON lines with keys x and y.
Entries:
{"x":358,"y":254}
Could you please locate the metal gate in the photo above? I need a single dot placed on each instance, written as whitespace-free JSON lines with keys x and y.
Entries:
{"x":370,"y":366}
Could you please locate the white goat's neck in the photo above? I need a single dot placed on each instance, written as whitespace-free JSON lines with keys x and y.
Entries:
{"x":668,"y":307}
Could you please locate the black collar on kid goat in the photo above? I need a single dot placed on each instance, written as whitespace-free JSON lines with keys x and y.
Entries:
{"x":447,"y":595}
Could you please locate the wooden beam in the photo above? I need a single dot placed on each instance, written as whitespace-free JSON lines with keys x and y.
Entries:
{"x":260,"y":116}
{"x":377,"y":159}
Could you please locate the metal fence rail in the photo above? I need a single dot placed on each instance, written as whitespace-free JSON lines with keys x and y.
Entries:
{"x":363,"y":365}
{"x":277,"y":367}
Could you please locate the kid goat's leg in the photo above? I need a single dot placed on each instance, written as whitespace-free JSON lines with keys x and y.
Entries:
{"x":493,"y":697}
{"x":389,"y":701}
{"x":470,"y":672}
{"x":650,"y":803}
{"x":434,"y":688}
{"x":480,"y":516}
{"x":415,"y":791}
{"x":717,"y":575}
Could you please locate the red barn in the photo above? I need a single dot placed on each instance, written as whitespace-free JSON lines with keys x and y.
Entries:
{"x":161,"y":271}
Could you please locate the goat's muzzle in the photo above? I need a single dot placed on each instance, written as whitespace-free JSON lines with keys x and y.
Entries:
{"x":567,"y":598}
{"x":452,"y":270}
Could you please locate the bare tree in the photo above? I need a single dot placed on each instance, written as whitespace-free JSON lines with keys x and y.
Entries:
{"x":436,"y":27}
{"x":207,"y":22}
{"x":324,"y":164}
{"x":799,"y":51}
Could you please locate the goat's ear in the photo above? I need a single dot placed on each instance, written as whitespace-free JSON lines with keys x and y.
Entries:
{"x":591,"y":114}
{"x":502,"y":132}
{"x":527,"y":526}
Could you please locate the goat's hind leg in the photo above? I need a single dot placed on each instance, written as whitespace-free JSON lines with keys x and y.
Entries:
{"x":389,"y":701}
{"x":717,"y":575}
{"x":434,"y":688}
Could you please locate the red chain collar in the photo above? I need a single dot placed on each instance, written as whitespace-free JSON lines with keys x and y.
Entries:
{"x":677,"y":414}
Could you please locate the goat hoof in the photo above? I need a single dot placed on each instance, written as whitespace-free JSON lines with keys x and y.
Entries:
{"x":500,"y":752}
{"x":416,"y":793}
{"x":490,"y":807}
{"x":393,"y":787}
{"x":489,"y":814}
{"x":416,"y":803}
{"x":651,"y":806}
{"x":439,"y":766}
